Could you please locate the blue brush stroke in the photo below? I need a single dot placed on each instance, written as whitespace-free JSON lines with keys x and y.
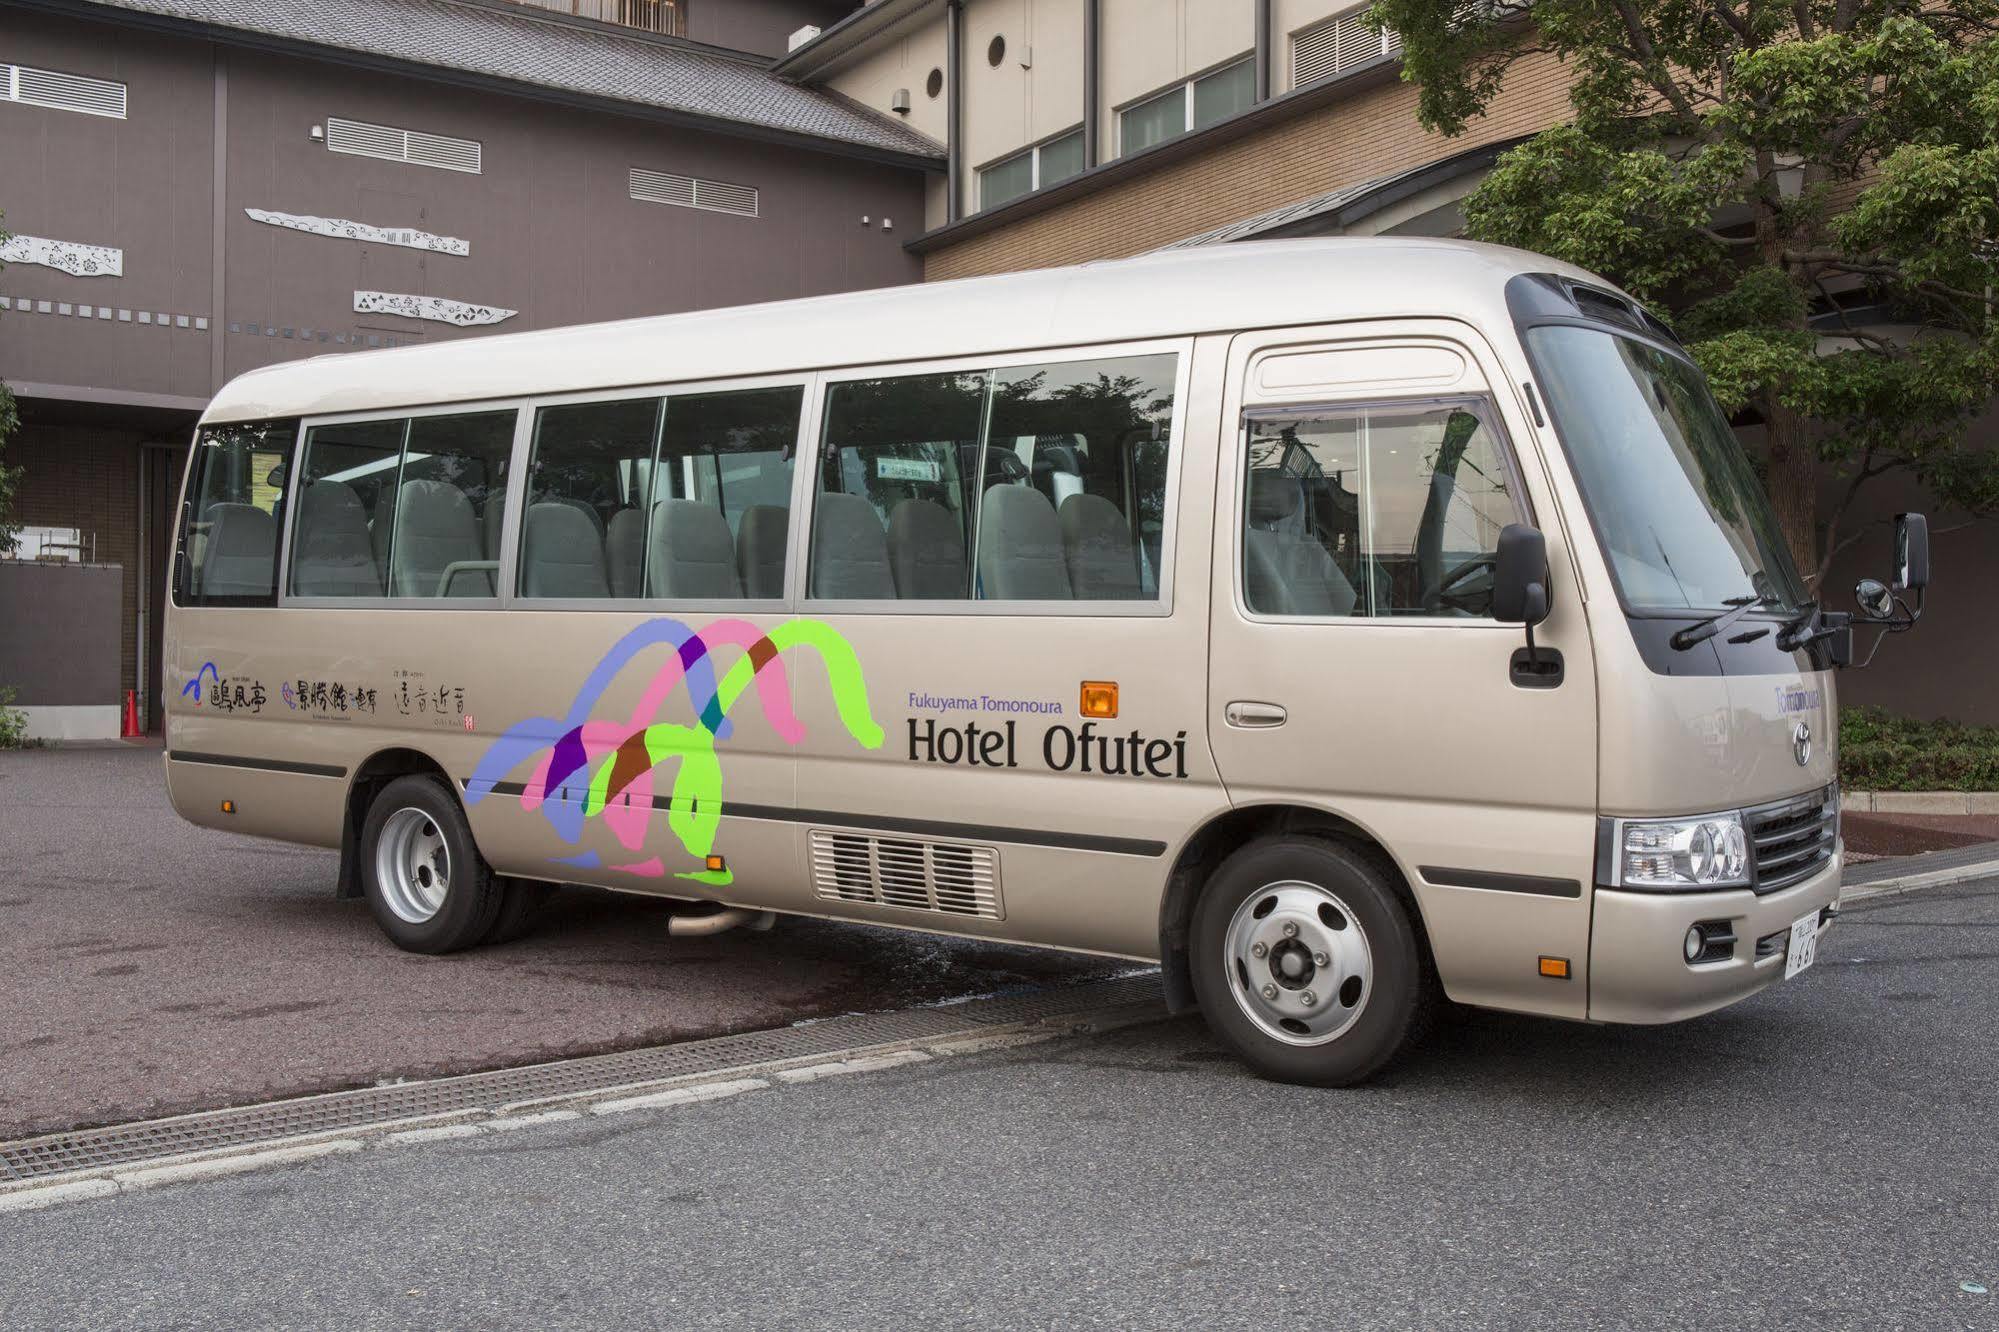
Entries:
{"x":192,"y":689}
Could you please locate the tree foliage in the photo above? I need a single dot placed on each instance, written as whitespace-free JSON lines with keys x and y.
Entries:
{"x":1808,"y":192}
{"x":10,"y":477}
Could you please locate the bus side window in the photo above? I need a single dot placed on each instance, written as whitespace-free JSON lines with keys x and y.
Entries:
{"x":404,"y":507}
{"x":890,"y":518}
{"x":589,"y":494}
{"x":721,"y":496}
{"x":1374,"y":511}
{"x":235,"y":509}
{"x":1075,"y":480}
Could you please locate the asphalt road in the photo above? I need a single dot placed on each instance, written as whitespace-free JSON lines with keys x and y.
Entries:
{"x":1821,"y":1156}
{"x":148,"y":967}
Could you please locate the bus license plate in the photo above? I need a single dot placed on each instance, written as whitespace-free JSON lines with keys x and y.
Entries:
{"x":1803,"y":949}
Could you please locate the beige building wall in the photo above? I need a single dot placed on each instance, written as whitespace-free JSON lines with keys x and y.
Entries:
{"x":904,"y":61}
{"x":1343,"y":143}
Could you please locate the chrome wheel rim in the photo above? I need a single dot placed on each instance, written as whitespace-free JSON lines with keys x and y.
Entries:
{"x":1299,"y":963}
{"x":413,"y":865}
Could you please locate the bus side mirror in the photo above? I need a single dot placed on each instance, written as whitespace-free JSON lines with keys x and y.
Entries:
{"x":1876,"y":602}
{"x":1912,"y":552}
{"x":1520,"y":577}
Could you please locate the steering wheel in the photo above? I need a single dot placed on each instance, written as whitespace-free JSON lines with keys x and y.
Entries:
{"x":1474,"y":600}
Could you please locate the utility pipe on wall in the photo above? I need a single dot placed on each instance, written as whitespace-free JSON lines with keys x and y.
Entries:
{"x":954,"y":149}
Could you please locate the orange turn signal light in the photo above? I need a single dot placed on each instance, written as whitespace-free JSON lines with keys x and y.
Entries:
{"x":1555,"y":968}
{"x":1099,"y":699}
{"x":716,"y":863}
{"x":228,"y":807}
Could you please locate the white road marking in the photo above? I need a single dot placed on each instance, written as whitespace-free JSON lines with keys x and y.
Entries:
{"x":707,"y":1091}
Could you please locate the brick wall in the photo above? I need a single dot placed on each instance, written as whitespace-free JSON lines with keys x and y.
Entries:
{"x":87,"y":477}
{"x":1346,"y":142}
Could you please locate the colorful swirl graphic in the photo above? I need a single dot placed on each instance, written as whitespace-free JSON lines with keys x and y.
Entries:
{"x":568,"y":790}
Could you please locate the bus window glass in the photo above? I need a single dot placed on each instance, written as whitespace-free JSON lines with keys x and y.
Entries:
{"x":1374,"y":512}
{"x":721,"y":494}
{"x":890,"y":520}
{"x":235,"y":508}
{"x":1074,"y":500}
{"x":346,"y":508}
{"x":589,"y":491}
{"x":450,"y":504}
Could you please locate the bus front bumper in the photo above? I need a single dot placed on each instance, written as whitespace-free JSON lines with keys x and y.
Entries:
{"x":1638,"y":968}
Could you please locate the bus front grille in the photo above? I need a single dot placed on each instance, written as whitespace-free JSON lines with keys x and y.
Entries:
{"x":1792,"y":840}
{"x":946,"y":877}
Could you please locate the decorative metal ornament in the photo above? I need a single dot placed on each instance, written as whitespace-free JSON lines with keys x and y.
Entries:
{"x":342,"y":229}
{"x":434,"y":308}
{"x":66,"y":256}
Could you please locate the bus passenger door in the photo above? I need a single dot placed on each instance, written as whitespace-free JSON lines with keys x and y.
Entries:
{"x":1355,"y":665}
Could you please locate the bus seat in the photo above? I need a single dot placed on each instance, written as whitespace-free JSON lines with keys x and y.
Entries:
{"x":1284,"y":572}
{"x":1096,"y":541}
{"x":1020,"y":547}
{"x":562,"y":556}
{"x":492,"y":515}
{"x":850,"y":550}
{"x":692,"y":553}
{"x":335,"y":556}
{"x":625,"y":552}
{"x":926,"y":551}
{"x":761,"y":534}
{"x":242,"y":544}
{"x":435,"y":528}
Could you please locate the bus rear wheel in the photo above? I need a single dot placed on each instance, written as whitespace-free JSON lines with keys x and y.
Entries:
{"x":426,"y":883}
{"x":1306,"y":962}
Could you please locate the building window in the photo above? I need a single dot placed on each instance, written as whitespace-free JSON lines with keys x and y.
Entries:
{"x":62,"y":92}
{"x":362,"y":139}
{"x":1337,"y":45}
{"x":1032,"y":169}
{"x":1195,"y":104}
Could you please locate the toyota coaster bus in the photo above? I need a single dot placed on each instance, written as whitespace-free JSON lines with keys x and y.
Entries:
{"x":1343,"y":624}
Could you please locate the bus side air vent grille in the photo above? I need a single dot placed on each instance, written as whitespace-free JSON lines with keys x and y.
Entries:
{"x":945,"y":877}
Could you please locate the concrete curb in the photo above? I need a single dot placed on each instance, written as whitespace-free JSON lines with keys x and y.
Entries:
{"x":457,"y":1125}
{"x":1919,"y":802}
{"x":1909,"y":883}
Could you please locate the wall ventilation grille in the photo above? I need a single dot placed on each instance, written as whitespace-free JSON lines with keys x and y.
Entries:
{"x":400,"y":145}
{"x":715,"y":196}
{"x":62,"y":92}
{"x":944,"y":877}
{"x":1336,"y":46}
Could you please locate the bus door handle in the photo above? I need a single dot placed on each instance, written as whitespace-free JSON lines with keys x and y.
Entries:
{"x":1249,"y":713}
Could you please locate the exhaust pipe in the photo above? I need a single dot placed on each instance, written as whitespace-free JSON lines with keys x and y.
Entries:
{"x":719,"y":922}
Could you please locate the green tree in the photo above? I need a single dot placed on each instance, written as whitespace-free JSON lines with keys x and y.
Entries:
{"x":10,"y":477}
{"x":1807,"y":191}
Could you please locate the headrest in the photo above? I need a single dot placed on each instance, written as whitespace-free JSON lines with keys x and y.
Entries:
{"x":1273,"y":495}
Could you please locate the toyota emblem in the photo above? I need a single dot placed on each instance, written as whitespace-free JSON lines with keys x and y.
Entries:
{"x":1801,"y":743}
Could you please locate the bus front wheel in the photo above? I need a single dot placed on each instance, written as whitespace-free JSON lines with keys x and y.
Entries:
{"x":428,"y":886}
{"x":1306,"y":962}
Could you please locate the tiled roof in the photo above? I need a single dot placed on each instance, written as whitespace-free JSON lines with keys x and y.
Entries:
{"x":571,"y":58}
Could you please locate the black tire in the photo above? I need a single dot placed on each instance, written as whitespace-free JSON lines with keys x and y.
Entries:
{"x":1397,"y":1008}
{"x":521,"y":901}
{"x":471,"y":893}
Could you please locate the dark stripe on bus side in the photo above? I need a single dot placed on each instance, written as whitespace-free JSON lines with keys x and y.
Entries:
{"x":1500,"y":883}
{"x":970,"y":832}
{"x":260,"y":765}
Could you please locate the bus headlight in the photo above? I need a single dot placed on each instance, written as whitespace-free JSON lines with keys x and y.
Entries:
{"x":1711,"y":851}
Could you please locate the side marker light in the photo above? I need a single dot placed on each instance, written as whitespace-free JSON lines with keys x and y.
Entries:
{"x":1099,"y":699}
{"x":1555,"y":968}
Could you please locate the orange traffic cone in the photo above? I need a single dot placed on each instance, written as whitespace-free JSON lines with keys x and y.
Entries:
{"x":128,"y":728}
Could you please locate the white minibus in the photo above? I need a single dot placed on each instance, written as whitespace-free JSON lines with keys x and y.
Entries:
{"x":1346,"y":625}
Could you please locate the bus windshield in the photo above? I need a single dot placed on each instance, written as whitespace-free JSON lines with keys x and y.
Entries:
{"x":1681,"y":515}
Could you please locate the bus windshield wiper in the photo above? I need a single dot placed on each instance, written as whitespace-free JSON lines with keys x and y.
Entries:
{"x":1806,"y":627}
{"x":1702,"y":630}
